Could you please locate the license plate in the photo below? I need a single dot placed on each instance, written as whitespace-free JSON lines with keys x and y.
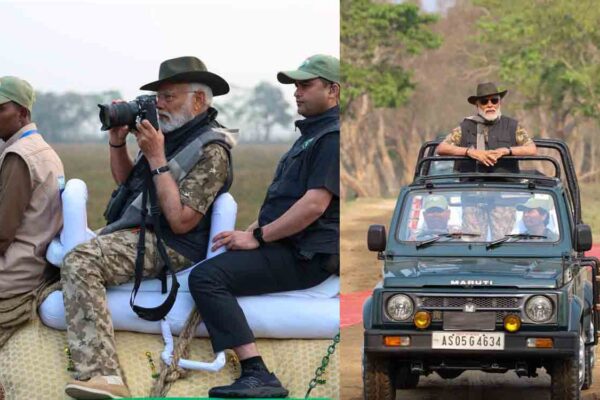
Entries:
{"x":468,"y":340}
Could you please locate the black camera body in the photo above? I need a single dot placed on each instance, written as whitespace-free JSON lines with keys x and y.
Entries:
{"x":129,"y":113}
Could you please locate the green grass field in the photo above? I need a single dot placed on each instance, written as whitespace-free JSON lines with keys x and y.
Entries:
{"x":254,"y":166}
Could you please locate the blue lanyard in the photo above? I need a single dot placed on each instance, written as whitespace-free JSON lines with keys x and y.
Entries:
{"x":30,"y":132}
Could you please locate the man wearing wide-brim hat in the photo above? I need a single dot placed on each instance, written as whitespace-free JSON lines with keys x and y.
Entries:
{"x":486,"y":137}
{"x":186,"y":163}
{"x":294,"y":244}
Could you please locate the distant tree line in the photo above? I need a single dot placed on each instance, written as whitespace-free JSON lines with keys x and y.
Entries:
{"x":70,"y":117}
{"x":258,"y":113}
{"x":73,"y":117}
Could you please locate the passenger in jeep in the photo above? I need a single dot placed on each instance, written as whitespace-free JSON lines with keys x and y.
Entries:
{"x":536,"y":215}
{"x":436,"y":215}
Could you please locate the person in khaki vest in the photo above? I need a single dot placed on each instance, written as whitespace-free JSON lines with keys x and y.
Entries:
{"x":31,"y":177}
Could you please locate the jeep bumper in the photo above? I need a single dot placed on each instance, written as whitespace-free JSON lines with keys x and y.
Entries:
{"x":515,"y":345}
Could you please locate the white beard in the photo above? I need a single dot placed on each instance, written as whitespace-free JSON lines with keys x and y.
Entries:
{"x":176,"y":120}
{"x":489,"y":118}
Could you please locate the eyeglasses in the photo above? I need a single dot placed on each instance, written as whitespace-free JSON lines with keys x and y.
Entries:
{"x":484,"y":102}
{"x":170,"y":96}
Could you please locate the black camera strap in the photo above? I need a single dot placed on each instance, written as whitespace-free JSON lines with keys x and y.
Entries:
{"x":159,"y":312}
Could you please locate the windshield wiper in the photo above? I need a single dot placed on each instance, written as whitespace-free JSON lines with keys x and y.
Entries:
{"x":517,"y":236}
{"x":450,"y":235}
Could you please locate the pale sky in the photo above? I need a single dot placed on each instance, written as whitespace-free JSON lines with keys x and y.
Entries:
{"x":92,"y":46}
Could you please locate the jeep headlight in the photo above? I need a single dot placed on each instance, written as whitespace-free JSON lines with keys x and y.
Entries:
{"x":399,"y":307}
{"x":539,"y":309}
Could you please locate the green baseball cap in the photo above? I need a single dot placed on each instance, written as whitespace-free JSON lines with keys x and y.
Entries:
{"x":17,"y":90}
{"x":317,"y":66}
{"x":535,"y":203}
{"x":435,"y":201}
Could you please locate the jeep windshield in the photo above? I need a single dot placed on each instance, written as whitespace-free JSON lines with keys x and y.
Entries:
{"x":475,"y":215}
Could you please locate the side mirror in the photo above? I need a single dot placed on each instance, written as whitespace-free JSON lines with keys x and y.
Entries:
{"x":376,"y":239}
{"x":583,"y":237}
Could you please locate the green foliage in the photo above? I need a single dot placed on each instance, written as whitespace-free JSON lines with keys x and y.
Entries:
{"x":375,"y":39}
{"x":70,"y":117}
{"x":550,"y":49}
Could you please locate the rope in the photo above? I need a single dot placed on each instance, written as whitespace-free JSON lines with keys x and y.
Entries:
{"x":170,"y":373}
{"x":17,"y":311}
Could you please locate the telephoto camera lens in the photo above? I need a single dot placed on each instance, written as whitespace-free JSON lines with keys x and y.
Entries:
{"x":118,"y":114}
{"x":121,"y":114}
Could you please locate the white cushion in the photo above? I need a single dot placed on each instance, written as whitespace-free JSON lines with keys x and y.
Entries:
{"x":310,"y":313}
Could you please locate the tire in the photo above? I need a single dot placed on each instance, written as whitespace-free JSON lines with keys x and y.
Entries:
{"x":377,"y":379}
{"x":567,"y":379}
{"x":588,"y":380}
{"x":404,"y":378}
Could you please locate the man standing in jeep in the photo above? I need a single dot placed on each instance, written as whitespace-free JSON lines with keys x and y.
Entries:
{"x":487,"y":137}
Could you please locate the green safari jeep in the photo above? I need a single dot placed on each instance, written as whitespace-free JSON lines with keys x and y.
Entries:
{"x":484,"y":271}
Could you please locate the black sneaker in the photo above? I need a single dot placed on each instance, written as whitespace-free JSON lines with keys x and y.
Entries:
{"x":261,"y":384}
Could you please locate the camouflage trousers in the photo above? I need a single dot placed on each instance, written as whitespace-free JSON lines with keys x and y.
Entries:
{"x":500,"y":221}
{"x":87,"y":269}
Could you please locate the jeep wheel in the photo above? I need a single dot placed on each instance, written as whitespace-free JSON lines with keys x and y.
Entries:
{"x":589,"y":360}
{"x":404,"y":378}
{"x":568,"y":375}
{"x":565,"y":380}
{"x":377,"y":380}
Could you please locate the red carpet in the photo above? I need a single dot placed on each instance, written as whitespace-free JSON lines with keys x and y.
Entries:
{"x":351,"y":307}
{"x":351,"y":303}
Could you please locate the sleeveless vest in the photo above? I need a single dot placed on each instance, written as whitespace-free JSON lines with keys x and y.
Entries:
{"x":500,"y":134}
{"x":290,"y":184}
{"x":193,"y":244}
{"x":22,"y":265}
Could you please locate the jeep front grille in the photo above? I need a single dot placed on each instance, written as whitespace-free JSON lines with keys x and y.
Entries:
{"x":501,"y":305}
{"x":481,"y":303}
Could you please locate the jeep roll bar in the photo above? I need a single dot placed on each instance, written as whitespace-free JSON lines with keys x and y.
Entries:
{"x":428,"y":160}
{"x":427,"y":155}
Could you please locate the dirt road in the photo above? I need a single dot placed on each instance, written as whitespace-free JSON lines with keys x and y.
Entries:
{"x":360,"y":272}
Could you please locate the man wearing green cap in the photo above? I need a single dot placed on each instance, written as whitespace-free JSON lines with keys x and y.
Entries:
{"x":186,"y":164}
{"x":31,"y":177}
{"x":436,"y":215}
{"x":536,"y":216}
{"x":294,"y":244}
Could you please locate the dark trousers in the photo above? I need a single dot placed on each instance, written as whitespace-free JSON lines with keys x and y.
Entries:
{"x":274,"y":267}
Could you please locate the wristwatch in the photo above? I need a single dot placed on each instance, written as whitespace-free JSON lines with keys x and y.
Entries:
{"x":258,"y":235}
{"x":160,"y":170}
